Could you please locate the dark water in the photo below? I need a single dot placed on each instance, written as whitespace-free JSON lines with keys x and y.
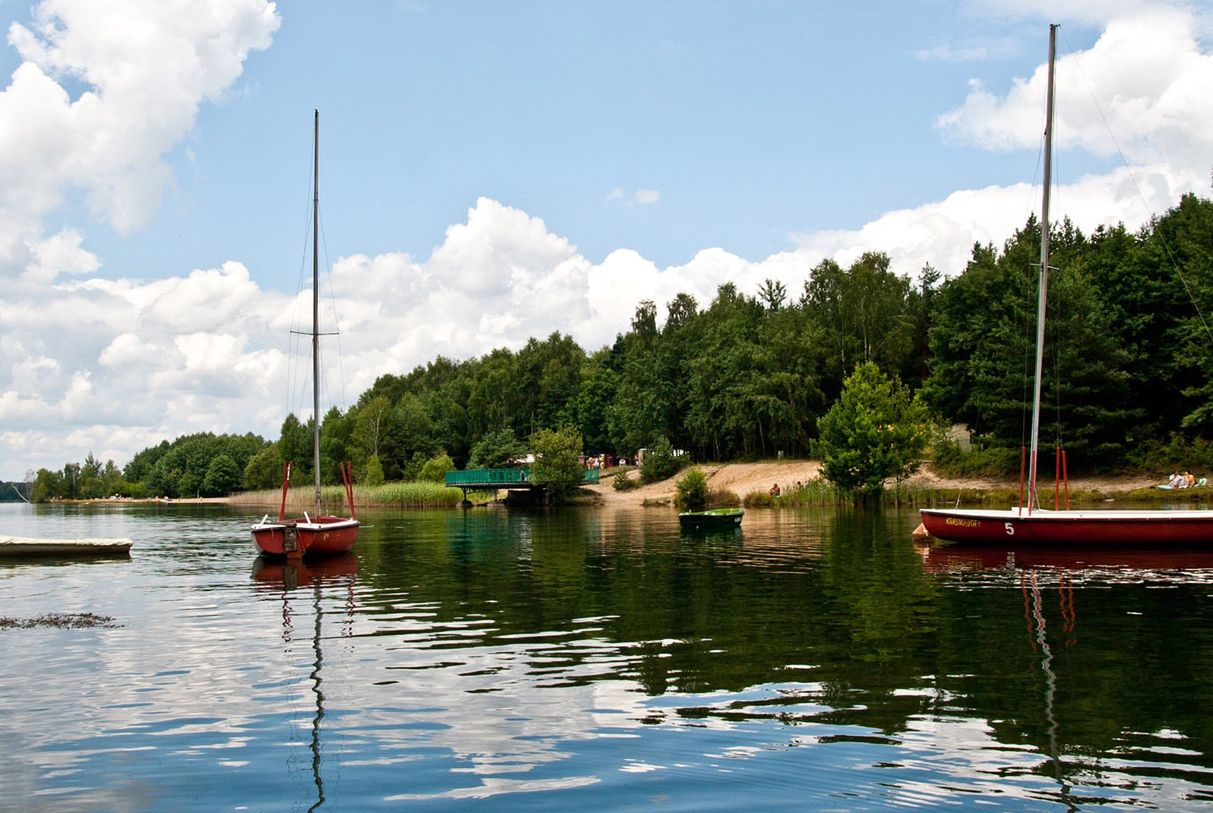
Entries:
{"x":595,"y":660}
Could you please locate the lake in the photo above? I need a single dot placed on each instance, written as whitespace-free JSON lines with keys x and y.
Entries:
{"x":595,"y":659}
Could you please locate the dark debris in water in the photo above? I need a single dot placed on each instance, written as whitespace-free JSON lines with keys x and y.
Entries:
{"x":59,"y":620}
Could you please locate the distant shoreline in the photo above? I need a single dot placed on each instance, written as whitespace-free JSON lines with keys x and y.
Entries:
{"x":746,"y":478}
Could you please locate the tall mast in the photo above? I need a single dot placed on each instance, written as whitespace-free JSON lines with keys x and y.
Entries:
{"x":1042,"y":292}
{"x":316,"y":307}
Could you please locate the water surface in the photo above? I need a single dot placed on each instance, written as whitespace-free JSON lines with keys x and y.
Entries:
{"x":598,"y":660}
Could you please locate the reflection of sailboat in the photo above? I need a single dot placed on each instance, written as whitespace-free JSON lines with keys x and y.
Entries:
{"x":289,"y":575}
{"x":1030,"y":524}
{"x":1040,"y":642}
{"x":1065,"y":557}
{"x":318,"y":533}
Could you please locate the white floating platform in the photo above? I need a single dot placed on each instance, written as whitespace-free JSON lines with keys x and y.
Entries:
{"x":26,"y":546}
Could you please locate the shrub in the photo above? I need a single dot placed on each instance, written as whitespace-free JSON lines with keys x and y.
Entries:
{"x":621,"y":482}
{"x":950,"y":459}
{"x":723,"y":499}
{"x":374,"y":471}
{"x":758,"y":499}
{"x":435,"y":469}
{"x":692,"y":489}
{"x":660,"y":462}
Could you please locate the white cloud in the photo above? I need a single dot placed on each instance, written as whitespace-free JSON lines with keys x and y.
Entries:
{"x":1150,"y":74}
{"x":641,"y":197}
{"x":1150,"y":78}
{"x":146,"y":64}
{"x":114,"y":365}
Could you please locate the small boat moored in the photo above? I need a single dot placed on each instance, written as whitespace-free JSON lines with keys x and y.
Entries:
{"x":714,"y":518}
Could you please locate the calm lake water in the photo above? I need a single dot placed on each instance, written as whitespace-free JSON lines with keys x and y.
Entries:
{"x":597,"y":660}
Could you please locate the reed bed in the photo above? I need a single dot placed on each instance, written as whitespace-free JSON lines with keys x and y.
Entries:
{"x":820,"y":492}
{"x":421,"y":494}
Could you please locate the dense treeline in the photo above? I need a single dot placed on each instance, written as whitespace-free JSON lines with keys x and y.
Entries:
{"x":201,"y":465}
{"x":1129,"y":361}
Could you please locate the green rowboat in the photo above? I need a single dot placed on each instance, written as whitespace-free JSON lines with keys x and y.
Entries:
{"x":715,"y":518}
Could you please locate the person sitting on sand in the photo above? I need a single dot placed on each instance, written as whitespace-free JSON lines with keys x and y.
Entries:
{"x":1189,"y":479}
{"x":774,"y":492}
{"x":1176,"y":480}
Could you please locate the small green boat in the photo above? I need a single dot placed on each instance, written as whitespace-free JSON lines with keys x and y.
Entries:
{"x":716,"y":518}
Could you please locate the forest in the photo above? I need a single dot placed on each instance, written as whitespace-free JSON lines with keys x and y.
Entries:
{"x":1129,"y":363}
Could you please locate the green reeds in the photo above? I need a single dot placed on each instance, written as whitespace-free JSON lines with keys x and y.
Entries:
{"x":419,"y":494}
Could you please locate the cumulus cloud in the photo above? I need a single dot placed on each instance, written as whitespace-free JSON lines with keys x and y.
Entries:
{"x":90,"y":363}
{"x":102,"y":93}
{"x":146,"y":66}
{"x":1153,"y":118}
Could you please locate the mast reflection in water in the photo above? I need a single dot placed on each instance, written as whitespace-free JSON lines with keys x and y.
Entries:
{"x":340,"y":570}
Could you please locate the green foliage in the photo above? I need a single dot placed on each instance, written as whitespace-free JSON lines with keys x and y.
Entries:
{"x":180,"y":469}
{"x":996,"y":461}
{"x":496,"y":450}
{"x":374,"y":472}
{"x":660,"y":462}
{"x":873,"y":432}
{"x":692,"y":488}
{"x":750,"y":373}
{"x":621,"y":482}
{"x":264,"y":469}
{"x":556,"y":465}
{"x":222,"y":477}
{"x":758,"y":499}
{"x":1177,"y":453}
{"x":436,"y":467}
{"x":411,"y":471}
{"x":418,"y":494}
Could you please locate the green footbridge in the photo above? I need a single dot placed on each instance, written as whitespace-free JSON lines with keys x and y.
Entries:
{"x":511,"y":479}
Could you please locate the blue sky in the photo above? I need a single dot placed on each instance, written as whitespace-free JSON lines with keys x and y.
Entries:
{"x":752,"y":122}
{"x":492,"y":171}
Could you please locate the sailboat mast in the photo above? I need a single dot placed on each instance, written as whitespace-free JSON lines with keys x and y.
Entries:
{"x":316,"y":307}
{"x":1043,"y":290}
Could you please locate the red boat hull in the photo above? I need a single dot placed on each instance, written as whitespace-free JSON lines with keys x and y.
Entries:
{"x":1096,"y":528}
{"x":319,"y":536}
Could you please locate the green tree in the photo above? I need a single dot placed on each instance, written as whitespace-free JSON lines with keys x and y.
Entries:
{"x":264,"y":469}
{"x":873,"y":432}
{"x":374,"y":471}
{"x":660,"y":462}
{"x":222,"y":477}
{"x":556,"y":465}
{"x":369,"y":426}
{"x":692,"y":488}
{"x":496,"y":449}
{"x":436,"y":467}
{"x":48,"y":485}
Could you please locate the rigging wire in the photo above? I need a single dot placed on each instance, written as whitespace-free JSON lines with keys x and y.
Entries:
{"x":1137,"y":188}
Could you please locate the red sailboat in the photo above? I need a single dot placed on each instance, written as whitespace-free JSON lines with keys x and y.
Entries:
{"x":316,"y":533}
{"x":1029,"y":524}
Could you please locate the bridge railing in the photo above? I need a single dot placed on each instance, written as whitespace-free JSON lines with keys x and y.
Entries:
{"x":472,"y":477}
{"x":482,"y":477}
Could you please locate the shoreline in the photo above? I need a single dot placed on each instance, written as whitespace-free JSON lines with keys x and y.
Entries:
{"x":745,"y":478}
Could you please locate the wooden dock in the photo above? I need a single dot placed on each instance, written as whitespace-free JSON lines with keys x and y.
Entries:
{"x":28,"y":546}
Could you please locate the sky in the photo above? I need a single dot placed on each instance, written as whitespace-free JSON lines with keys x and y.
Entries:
{"x":495,"y":171}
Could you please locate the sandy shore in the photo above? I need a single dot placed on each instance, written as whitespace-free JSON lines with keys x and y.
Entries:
{"x":744,"y":478}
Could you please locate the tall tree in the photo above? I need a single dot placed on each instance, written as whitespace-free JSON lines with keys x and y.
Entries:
{"x":873,"y":432}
